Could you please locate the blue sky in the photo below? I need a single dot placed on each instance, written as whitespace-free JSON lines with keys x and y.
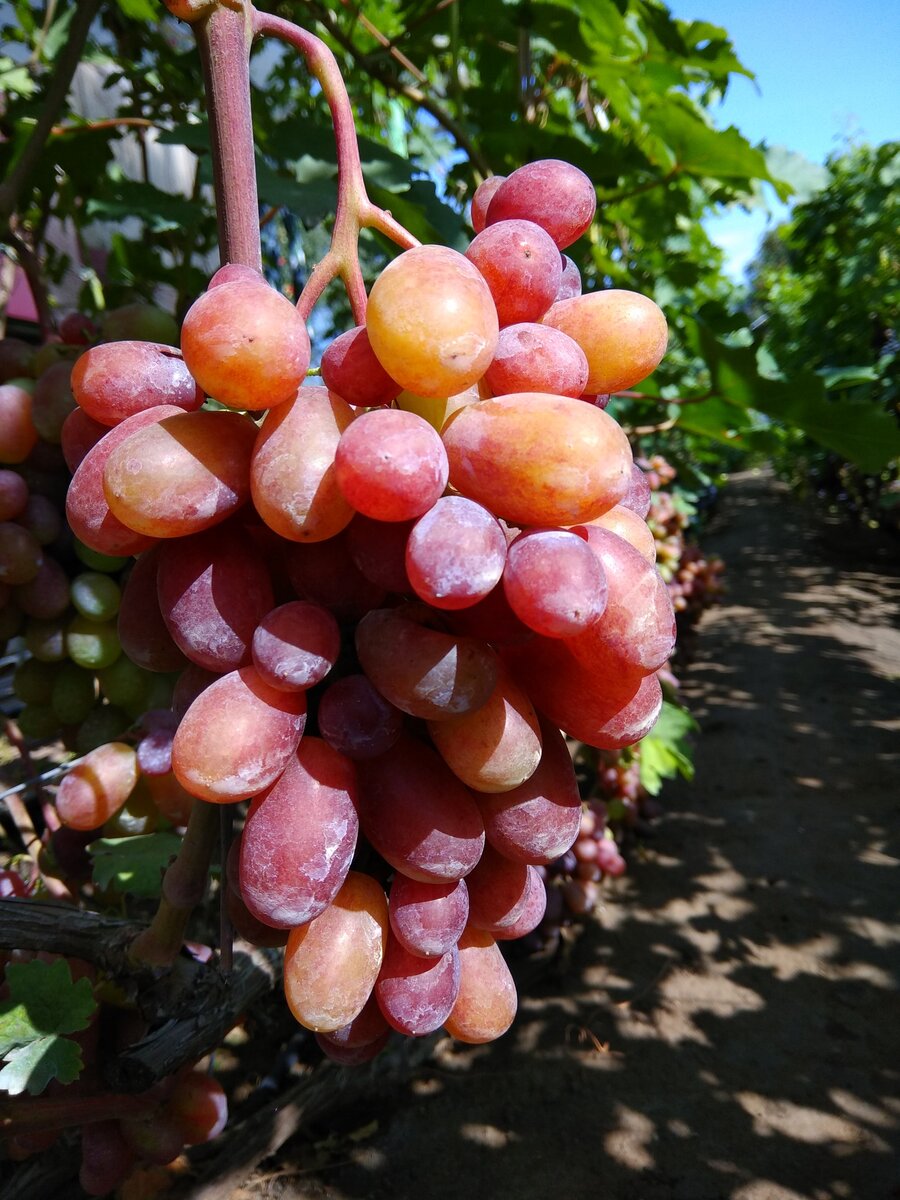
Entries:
{"x":825,"y":70}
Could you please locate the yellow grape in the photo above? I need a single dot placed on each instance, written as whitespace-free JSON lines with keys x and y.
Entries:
{"x":432,"y":322}
{"x":486,"y":1004}
{"x":623,"y":335}
{"x":331,"y":963}
{"x":535,"y":459}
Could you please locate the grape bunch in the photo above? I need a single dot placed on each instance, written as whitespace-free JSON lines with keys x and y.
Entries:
{"x":390,"y":600}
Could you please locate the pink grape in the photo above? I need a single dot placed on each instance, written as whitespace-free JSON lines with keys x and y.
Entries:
{"x":455,"y":553}
{"x":391,"y":465}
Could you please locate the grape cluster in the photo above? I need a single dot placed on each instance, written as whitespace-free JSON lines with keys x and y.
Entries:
{"x":389,"y":599}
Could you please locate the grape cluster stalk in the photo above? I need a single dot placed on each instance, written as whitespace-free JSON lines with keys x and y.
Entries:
{"x":384,"y":604}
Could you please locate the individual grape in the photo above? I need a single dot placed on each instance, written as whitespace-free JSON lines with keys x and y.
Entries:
{"x":104,"y":723}
{"x":498,"y":890}
{"x":97,"y":786}
{"x":47,"y":595}
{"x":300,"y":837}
{"x":539,"y":820}
{"x":424,"y":672}
{"x":637,"y":498}
{"x":52,"y":402}
{"x":117,"y":379}
{"x":331,"y":964}
{"x":418,"y":815}
{"x":481,"y":200}
{"x":169,"y":796}
{"x":20,"y":554}
{"x":33,"y":681}
{"x":38,"y":722}
{"x":638,"y":624}
{"x":368,"y":1027}
{"x":214,"y":588}
{"x":13,"y":495}
{"x":107,"y":564}
{"x":378,"y":548}
{"x":356,"y":719}
{"x":42,"y":519}
{"x":350,"y":368}
{"x":498,"y":746}
{"x":154,"y":750}
{"x":50,"y":354}
{"x":125,"y":684}
{"x":536,"y":358}
{"x":491,"y":620}
{"x":245,"y":344}
{"x":198,"y":1106}
{"x":143,"y":632}
{"x":352,"y":1056}
{"x":16,"y":357}
{"x":428,"y":918}
{"x":325,"y":574}
{"x":46,"y":640}
{"x":390,"y":465}
{"x":180,"y":475}
{"x":296,"y":645}
{"x":554,"y":582}
{"x":79,"y":434}
{"x":190,"y":683}
{"x":570,"y":281}
{"x":237,"y":737}
{"x":87,"y":508}
{"x":92,"y":644}
{"x":77,"y":329}
{"x":537,"y":460}
{"x":455,"y":553}
{"x":17,"y":432}
{"x":552,"y":193}
{"x":626,"y":524}
{"x":416,"y":994}
{"x":139,"y":322}
{"x":106,"y":1158}
{"x":604,"y":704}
{"x":293,"y":477}
{"x":522,"y":267}
{"x":96,"y":596}
{"x":623,"y":335}
{"x":74,"y":693}
{"x":432,"y":322}
{"x":155,"y":1139}
{"x":533,"y":910}
{"x":247,"y":927}
{"x":486,"y":1004}
{"x":437,"y":410}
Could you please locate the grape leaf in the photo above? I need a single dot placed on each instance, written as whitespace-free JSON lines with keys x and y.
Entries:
{"x":133,"y":864}
{"x":665,"y":751}
{"x":43,"y":1005}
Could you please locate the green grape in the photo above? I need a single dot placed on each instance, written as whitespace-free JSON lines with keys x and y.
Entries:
{"x":96,"y":596}
{"x":38,"y":721}
{"x":74,"y":693}
{"x":104,"y":723}
{"x":107,"y":563}
{"x":33,"y":681}
{"x":93,"y":644}
{"x":125,"y":684}
{"x":46,"y":640}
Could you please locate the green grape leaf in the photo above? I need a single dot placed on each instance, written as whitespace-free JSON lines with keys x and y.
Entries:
{"x":43,"y":1005}
{"x":133,"y":864}
{"x":140,"y":10}
{"x":665,"y":751}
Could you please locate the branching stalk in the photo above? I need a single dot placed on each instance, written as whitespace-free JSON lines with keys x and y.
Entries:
{"x":355,"y":211}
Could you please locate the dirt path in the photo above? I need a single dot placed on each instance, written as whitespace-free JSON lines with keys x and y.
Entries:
{"x":729,"y":1027}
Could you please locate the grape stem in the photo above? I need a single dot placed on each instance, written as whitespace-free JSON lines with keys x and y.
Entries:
{"x":184,"y":885}
{"x":35,"y":1114}
{"x":355,"y":211}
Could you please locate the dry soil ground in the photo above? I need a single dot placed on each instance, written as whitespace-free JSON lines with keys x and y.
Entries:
{"x":729,"y":1025}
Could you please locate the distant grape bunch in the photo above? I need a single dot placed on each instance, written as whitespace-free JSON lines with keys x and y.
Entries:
{"x":393,"y":597}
